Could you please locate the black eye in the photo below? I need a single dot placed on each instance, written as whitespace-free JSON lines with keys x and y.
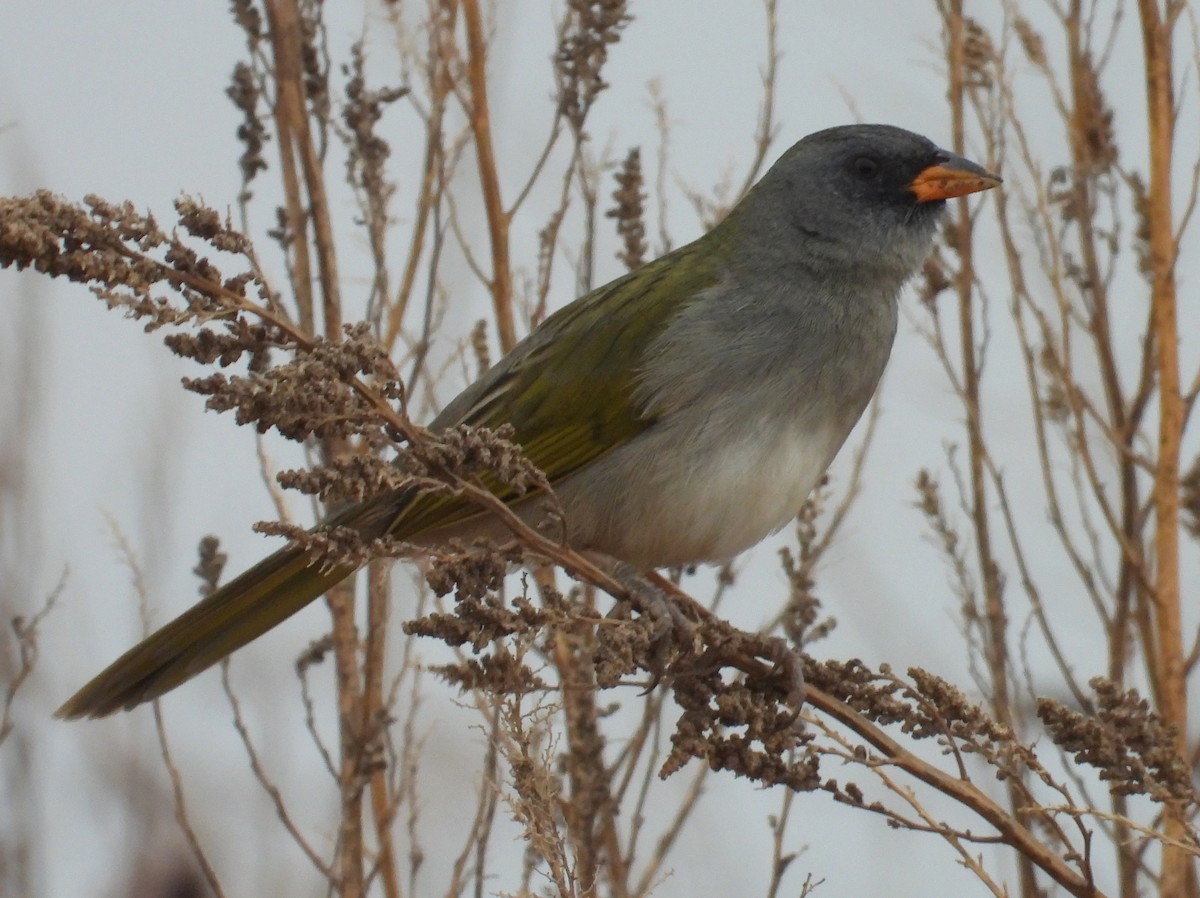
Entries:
{"x":865,"y":167}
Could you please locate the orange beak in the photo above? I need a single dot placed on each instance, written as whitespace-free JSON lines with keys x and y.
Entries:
{"x":951,"y":176}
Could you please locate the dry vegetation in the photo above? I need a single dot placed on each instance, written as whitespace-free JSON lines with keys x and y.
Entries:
{"x":1090,"y":793}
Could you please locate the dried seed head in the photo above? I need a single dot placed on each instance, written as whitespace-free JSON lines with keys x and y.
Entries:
{"x":934,"y":279}
{"x":1092,"y":130}
{"x":314,"y":59}
{"x":1130,"y":745}
{"x":1141,"y":233}
{"x":1031,"y":42}
{"x":1190,"y":498}
{"x":368,"y":152}
{"x":249,"y":19}
{"x":630,"y":211}
{"x":479,"y":346}
{"x":246,"y":94}
{"x":591,"y":27}
{"x":979,"y":55}
{"x":210,"y":564}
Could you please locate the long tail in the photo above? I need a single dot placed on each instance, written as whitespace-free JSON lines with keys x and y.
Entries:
{"x":241,"y":610}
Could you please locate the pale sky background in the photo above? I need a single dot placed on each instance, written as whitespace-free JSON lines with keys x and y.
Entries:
{"x":126,"y":100}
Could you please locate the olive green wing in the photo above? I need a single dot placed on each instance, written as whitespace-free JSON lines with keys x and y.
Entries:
{"x":566,"y":390}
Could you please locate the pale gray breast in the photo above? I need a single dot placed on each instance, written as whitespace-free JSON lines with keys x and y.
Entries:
{"x":754,"y":394}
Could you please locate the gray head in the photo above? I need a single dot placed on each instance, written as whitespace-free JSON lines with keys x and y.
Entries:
{"x":866,"y":195}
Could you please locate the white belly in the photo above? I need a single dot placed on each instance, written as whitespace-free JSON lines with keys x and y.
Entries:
{"x":694,"y":504}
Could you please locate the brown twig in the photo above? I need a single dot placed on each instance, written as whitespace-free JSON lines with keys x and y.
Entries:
{"x":1011,"y":830}
{"x":1157,"y":22}
{"x":500,"y":281}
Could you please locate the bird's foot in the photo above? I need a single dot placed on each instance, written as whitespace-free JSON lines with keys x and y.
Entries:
{"x":688,"y":640}
{"x":673,"y":633}
{"x":789,"y":665}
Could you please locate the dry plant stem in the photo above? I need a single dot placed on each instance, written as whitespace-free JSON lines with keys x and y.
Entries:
{"x":439,"y":74}
{"x":260,"y":774}
{"x":666,"y":841}
{"x":585,"y":768}
{"x":1058,"y":358}
{"x":1123,"y":420}
{"x":489,"y":801}
{"x":1190,"y":848}
{"x":479,"y":834}
{"x":996,"y":634}
{"x":764,"y":134}
{"x":1011,"y":830}
{"x":586,"y":173}
{"x":658,"y":103}
{"x":924,"y":821}
{"x":426,"y":199}
{"x":296,"y":139}
{"x":288,"y":112}
{"x":181,"y":814}
{"x":500,"y":282}
{"x":420,"y":351}
{"x":350,"y":847}
{"x":1178,"y":876}
{"x":308,"y":206}
{"x":375,"y":714}
{"x":1121,"y":426}
{"x":26,"y":632}
{"x":179,"y":800}
{"x":410,"y":767}
{"x":1120,"y":434}
{"x":631,"y":758}
{"x":551,"y":232}
{"x":1022,"y":301}
{"x":997,"y":652}
{"x":587,"y":809}
{"x":593,"y":805}
{"x":267,"y":469}
{"x":779,"y":860}
{"x":1006,"y":509}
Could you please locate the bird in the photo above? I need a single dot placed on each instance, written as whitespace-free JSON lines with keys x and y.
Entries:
{"x":681,"y":413}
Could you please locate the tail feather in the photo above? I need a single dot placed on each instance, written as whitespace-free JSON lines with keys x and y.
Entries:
{"x":240,"y":611}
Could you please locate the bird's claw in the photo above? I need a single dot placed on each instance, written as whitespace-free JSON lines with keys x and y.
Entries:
{"x":789,"y":664}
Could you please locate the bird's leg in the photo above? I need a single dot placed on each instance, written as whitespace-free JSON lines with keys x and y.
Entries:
{"x":789,"y":663}
{"x":703,"y":641}
{"x":655,"y":597}
{"x":650,"y":594}
{"x":766,"y":660}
